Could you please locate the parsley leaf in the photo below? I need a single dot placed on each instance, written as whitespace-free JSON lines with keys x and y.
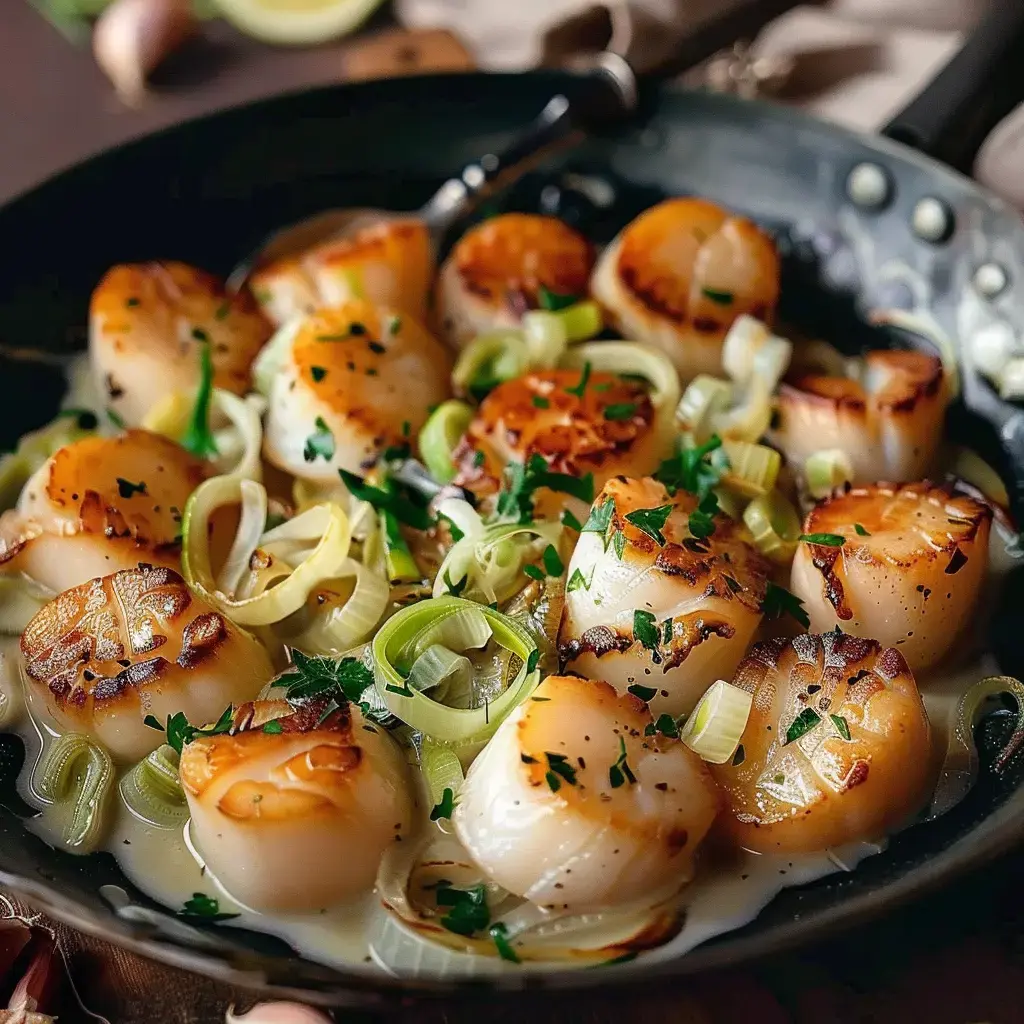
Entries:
{"x":600,"y":518}
{"x":690,"y":470}
{"x":468,"y":911}
{"x":667,"y":726}
{"x":319,"y":444}
{"x":198,"y":437}
{"x":721,"y":297}
{"x":455,"y":589}
{"x":842,"y":725}
{"x":444,"y":808}
{"x":552,"y":301}
{"x":499,"y":935}
{"x":701,"y":521}
{"x":552,"y":562}
{"x":861,"y":532}
{"x":651,"y":521}
{"x":179,"y":731}
{"x":206,"y":907}
{"x":619,"y":544}
{"x":115,"y":418}
{"x":828,"y":540}
{"x":582,"y":386}
{"x":318,"y":373}
{"x":645,"y":693}
{"x":540,"y":402}
{"x":619,"y":411}
{"x":577,"y":581}
{"x":127,"y":489}
{"x":558,"y":769}
{"x":404,"y":510}
{"x":273,"y":727}
{"x":533,"y":660}
{"x":311,"y":677}
{"x":522,"y":479}
{"x":778,"y":601}
{"x":802,"y":724}
{"x":568,"y":519}
{"x":645,"y":630}
{"x":620,"y":772}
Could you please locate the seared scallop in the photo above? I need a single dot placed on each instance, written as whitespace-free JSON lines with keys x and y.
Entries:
{"x":388,"y":262}
{"x":680,"y":274}
{"x":498,"y":269}
{"x":836,"y":750}
{"x":902,"y":564}
{"x":606,"y":430}
{"x":105,"y":655}
{"x":98,"y":505}
{"x":572,"y":806}
{"x":649,"y":605}
{"x":888,"y":423}
{"x":292,"y":810}
{"x":147,"y":325}
{"x":358,"y":377}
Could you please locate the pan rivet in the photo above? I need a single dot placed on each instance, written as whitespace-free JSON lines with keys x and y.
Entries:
{"x":990,"y":280}
{"x":868,"y":186}
{"x":932,"y":220}
{"x":474,"y":176}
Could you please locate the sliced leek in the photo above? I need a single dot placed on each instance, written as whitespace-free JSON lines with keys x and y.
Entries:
{"x":76,"y":771}
{"x":36,"y":447}
{"x":750,"y":351}
{"x":753,"y":468}
{"x":272,"y":356}
{"x":826,"y":470}
{"x":750,"y":418}
{"x":297,"y":555}
{"x":20,"y":600}
{"x":545,"y":336}
{"x":704,"y":398}
{"x":439,"y":436}
{"x":405,"y":631}
{"x":447,"y":676}
{"x":774,"y":526}
{"x":399,"y":560}
{"x":972,"y":469}
{"x":488,"y":361}
{"x":442,"y":770}
{"x":152,"y":791}
{"x":582,"y":320}
{"x":716,"y":726}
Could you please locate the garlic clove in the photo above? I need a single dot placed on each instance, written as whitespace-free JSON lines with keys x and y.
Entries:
{"x":132,"y":37}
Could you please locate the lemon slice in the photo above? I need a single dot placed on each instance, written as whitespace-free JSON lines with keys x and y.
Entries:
{"x":297,"y":22}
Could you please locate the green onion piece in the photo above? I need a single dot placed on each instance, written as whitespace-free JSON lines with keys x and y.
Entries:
{"x":401,"y":565}
{"x":716,"y":725}
{"x":753,"y":468}
{"x":77,"y":771}
{"x":826,"y":470}
{"x":407,"y":631}
{"x":489,"y":360}
{"x":152,"y":790}
{"x":198,"y":437}
{"x":582,"y":320}
{"x":774,"y":526}
{"x":439,"y":436}
{"x":703,"y":399}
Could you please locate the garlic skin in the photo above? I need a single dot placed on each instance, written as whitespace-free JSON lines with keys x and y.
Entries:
{"x":132,"y":37}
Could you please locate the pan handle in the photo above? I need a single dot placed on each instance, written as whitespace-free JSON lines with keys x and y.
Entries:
{"x":953,"y":116}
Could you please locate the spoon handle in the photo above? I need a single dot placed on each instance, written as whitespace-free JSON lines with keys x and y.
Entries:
{"x":606,"y":94}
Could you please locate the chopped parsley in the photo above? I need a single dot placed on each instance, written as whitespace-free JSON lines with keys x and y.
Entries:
{"x":319,"y":444}
{"x":540,"y":402}
{"x":318,"y":373}
{"x":778,"y":601}
{"x":690,"y":470}
{"x":620,"y":773}
{"x":582,"y":386}
{"x":200,"y":335}
{"x":651,"y":521}
{"x":645,"y":629}
{"x":619,"y":411}
{"x":273,"y":727}
{"x":558,"y":769}
{"x":860,"y":531}
{"x":127,"y":489}
{"x":206,"y":907}
{"x":454,"y":588}
{"x":179,"y":731}
{"x":453,"y":529}
{"x":619,"y":544}
{"x":552,"y":562}
{"x":478,"y":459}
{"x":739,"y":757}
{"x":802,"y":724}
{"x":533,"y":660}
{"x":401,"y":507}
{"x":377,"y":348}
{"x":553,"y":301}
{"x":394,"y":325}
{"x":577,"y":581}
{"x":666,"y":725}
{"x":568,"y":519}
{"x":534,"y":572}
{"x":522,"y":479}
{"x":721,"y":297}
{"x":198,"y":437}
{"x":222,"y":311}
{"x":499,"y":935}
{"x":829,"y":540}
{"x":645,"y":693}
{"x":468,"y":912}
{"x":309,"y":677}
{"x":444,"y":808}
{"x":842,"y":726}
{"x":115,"y":418}
{"x":701,"y":522}
{"x":600,"y":519}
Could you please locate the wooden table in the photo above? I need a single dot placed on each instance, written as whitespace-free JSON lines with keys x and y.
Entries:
{"x":933,"y":966}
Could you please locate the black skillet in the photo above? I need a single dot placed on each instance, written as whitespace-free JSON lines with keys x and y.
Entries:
{"x":209,"y":191}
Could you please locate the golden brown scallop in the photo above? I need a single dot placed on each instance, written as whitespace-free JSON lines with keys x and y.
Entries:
{"x":889,"y":422}
{"x":665,"y":612}
{"x":371,"y":375}
{"x":680,"y":274}
{"x":498,"y":268}
{"x":607,"y":431}
{"x":836,"y":750}
{"x":910,"y":577}
{"x":147,"y":325}
{"x":106,"y":654}
{"x":389,"y":263}
{"x":297,"y":817}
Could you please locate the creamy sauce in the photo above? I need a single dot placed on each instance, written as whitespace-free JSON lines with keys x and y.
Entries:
{"x":163,"y":863}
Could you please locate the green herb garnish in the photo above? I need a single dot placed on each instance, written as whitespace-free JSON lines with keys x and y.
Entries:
{"x":778,"y":601}
{"x":179,"y":731}
{"x":619,"y":544}
{"x":600,"y":519}
{"x":577,"y":581}
{"x":568,"y":519}
{"x":552,"y":562}
{"x":310,"y":677}
{"x":273,"y":727}
{"x":523,"y":479}
{"x":651,"y":521}
{"x":620,"y":772}
{"x":455,"y":589}
{"x":552,"y":301}
{"x":390,"y":500}
{"x":842,"y":725}
{"x":645,"y":629}
{"x":444,"y":808}
{"x":582,"y":386}
{"x":828,"y":540}
{"x":319,"y":444}
{"x":802,"y":724}
{"x":645,"y":693}
{"x":468,"y":911}
{"x":499,"y":935}
{"x":701,"y":521}
{"x":127,"y":489}
{"x":318,"y":373}
{"x":861,"y":532}
{"x":206,"y":907}
{"x":198,"y":437}
{"x":115,"y":418}
{"x":689,"y":470}
{"x":558,"y":769}
{"x":539,"y":402}
{"x":619,"y":410}
{"x":722,"y":298}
